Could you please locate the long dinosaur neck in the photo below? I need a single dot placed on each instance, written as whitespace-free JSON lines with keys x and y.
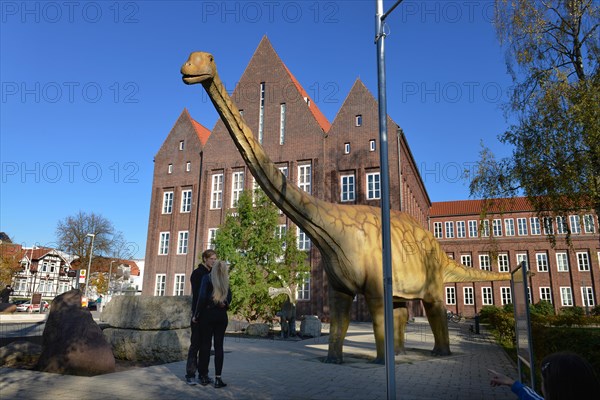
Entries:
{"x":297,"y":204}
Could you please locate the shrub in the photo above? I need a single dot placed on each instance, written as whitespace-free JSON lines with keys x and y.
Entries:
{"x":487,"y":313}
{"x":576,"y":311}
{"x":509,"y":308}
{"x":542,"y":308}
{"x":596,"y":311}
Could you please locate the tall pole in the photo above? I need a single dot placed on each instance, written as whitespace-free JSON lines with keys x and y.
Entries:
{"x":87,"y":275}
{"x":109,"y":276}
{"x":390,"y":365}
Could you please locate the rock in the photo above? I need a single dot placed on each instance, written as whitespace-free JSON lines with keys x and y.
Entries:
{"x":158,"y":345}
{"x":258,"y":330}
{"x":148,"y":312}
{"x":7,"y":308}
{"x":20,"y":353}
{"x":72,"y":343}
{"x":310,"y":326}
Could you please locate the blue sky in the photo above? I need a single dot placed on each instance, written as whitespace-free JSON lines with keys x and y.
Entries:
{"x":90,"y":91}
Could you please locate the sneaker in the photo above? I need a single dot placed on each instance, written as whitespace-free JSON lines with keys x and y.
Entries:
{"x":190,"y":381}
{"x":205,"y":380}
{"x":219,"y":383}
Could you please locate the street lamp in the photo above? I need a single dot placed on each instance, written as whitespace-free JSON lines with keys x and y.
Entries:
{"x":87,"y":275}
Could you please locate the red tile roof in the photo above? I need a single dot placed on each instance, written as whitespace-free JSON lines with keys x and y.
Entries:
{"x":475,"y":207}
{"x":202,"y":132}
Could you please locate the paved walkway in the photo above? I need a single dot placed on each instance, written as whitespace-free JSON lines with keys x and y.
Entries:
{"x":292,"y":369}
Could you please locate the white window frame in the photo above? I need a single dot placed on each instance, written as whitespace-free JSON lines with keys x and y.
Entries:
{"x":450,"y":295}
{"x":546,"y":293}
{"x":305,"y":177}
{"x":485,"y":228}
{"x":261,"y":113}
{"x":216,"y":191}
{"x":522,"y":227}
{"x":167,"y":207}
{"x":212,"y":234}
{"x":589,"y":225}
{"x":163,"y":243}
{"x":473,"y":228}
{"x":438,"y":232}
{"x":484,"y":262}
{"x":303,"y":289}
{"x":188,"y":166}
{"x":466,"y":260}
{"x":449,"y":225}
{"x":583,"y":261}
{"x":237,"y":187}
{"x":523,"y":257}
{"x":505,"y":295}
{"x":170,"y":169}
{"x":346,"y":148}
{"x":541,"y":260}
{"x":282,"y":119}
{"x":561,"y":225}
{"x":509,"y":227}
{"x":468,"y":296}
{"x":548,"y":227}
{"x":562,"y":261}
{"x":160,"y":284}
{"x":186,"y":201}
{"x":534,"y":222}
{"x":460,"y":229}
{"x":302,"y":240}
{"x":487,"y":296}
{"x":347,"y":188}
{"x":497,"y":227}
{"x":373,"y":185}
{"x":181,"y":144}
{"x":566,"y":296}
{"x":587,"y":301}
{"x":179,"y":285}
{"x":372,"y":145}
{"x":182,"y":242}
{"x":358,"y":120}
{"x":575,"y":223}
{"x":503,"y":263}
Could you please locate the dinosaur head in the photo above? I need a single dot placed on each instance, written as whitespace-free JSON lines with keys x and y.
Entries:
{"x":200,"y":67}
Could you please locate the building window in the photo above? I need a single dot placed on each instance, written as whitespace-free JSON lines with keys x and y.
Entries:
{"x":497,"y":227}
{"x":505,"y":295}
{"x":450,"y":295}
{"x":583,"y":261}
{"x":163,"y":245}
{"x":561,"y":225}
{"x":473,"y":231}
{"x":347,"y":186}
{"x":449,"y":229}
{"x":304,"y":178}
{"x":522,"y":226}
{"x":484,"y":262}
{"x":346,"y":148}
{"x":535,"y":225}
{"x":503,"y":265}
{"x":303,"y":240}
{"x":179,"y":287}
{"x":161,"y":281}
{"x":546,"y":294}
{"x":485,"y":228}
{"x":373,"y":186}
{"x":186,"y":201}
{"x":181,"y":144}
{"x":212,"y":234}
{"x":188,"y":166}
{"x":358,"y":120}
{"x":575,"y":225}
{"x":548,"y":226}
{"x":216,"y":192}
{"x":587,"y":296}
{"x":460,"y":229}
{"x":182,"y":242}
{"x":237,"y":187}
{"x":522,"y":258}
{"x":542,"y":262}
{"x":282,"y":123}
{"x":261,"y":113}
{"x":465,"y":260}
{"x":304,"y":288}
{"x":167,"y":203}
{"x":509,"y":227}
{"x":487,"y":296}
{"x":468,"y":295}
{"x":437,"y":230}
{"x":566,"y":296}
{"x":372,"y":145}
{"x":588,"y":224}
{"x":562,"y":262}
{"x":170,"y":169}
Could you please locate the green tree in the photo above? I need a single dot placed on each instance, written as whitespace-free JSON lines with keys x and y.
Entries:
{"x":10,"y":263}
{"x":553,"y":56}
{"x":261,"y":255}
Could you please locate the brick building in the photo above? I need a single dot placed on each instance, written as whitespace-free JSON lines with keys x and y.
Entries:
{"x":199,"y":173}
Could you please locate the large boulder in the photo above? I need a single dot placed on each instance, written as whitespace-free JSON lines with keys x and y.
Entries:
{"x":144,"y":328}
{"x":72,"y":343}
{"x":20,"y":352}
{"x":310,"y":326}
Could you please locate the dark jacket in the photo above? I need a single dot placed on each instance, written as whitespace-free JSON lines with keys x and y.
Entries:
{"x":205,"y":295}
{"x":196,"y":281}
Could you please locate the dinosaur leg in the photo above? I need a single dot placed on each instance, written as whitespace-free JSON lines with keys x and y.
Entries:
{"x":400,"y":320}
{"x":339,"y":311}
{"x":436,"y":315}
{"x":377,"y":311}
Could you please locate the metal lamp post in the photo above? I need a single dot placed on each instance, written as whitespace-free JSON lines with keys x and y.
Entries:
{"x":87,"y":275}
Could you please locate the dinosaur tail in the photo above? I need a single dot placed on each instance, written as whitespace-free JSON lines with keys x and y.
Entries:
{"x":455,"y":272}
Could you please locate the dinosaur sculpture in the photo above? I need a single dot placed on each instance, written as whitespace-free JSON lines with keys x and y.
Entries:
{"x":349,"y":239}
{"x":288,"y":310}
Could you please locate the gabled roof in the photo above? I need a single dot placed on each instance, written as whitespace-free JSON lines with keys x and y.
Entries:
{"x":202,"y":132}
{"x":476,"y":207}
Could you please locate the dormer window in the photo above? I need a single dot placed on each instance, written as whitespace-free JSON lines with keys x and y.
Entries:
{"x":181,"y":144}
{"x":358,"y":120}
{"x":346,"y":148}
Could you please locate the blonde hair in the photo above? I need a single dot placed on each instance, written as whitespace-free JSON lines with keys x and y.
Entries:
{"x":219,"y":275}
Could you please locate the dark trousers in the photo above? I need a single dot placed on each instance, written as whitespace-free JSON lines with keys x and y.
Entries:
{"x":213,"y":324}
{"x":193,"y":352}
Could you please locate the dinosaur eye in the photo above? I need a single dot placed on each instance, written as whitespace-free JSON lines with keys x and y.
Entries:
{"x":211,"y":58}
